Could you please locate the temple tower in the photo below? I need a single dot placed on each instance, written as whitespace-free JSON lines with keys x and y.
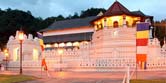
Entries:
{"x":115,"y":34}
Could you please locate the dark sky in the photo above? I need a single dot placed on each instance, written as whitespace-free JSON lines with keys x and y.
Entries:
{"x":47,"y":8}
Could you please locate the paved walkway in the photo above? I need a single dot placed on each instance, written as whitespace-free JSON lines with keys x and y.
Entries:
{"x":88,"y":77}
{"x":83,"y":80}
{"x":79,"y":77}
{"x":73,"y":77}
{"x":9,"y":72}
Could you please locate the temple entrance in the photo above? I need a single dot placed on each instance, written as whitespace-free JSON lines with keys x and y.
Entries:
{"x":115,"y":25}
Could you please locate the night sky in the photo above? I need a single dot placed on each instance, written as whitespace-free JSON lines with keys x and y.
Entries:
{"x":47,"y":8}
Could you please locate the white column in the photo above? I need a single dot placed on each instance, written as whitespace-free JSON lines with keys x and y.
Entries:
{"x":124,"y":21}
{"x":105,"y":23}
{"x":95,"y":27}
{"x":128,"y":74}
{"x":150,"y":32}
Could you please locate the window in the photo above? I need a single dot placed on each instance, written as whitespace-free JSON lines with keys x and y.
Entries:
{"x":35,"y":55}
{"x":115,"y":25}
{"x":16,"y":54}
{"x":127,"y":23}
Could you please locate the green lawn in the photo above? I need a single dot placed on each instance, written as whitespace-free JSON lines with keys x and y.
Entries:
{"x":148,"y":81}
{"x":15,"y":78}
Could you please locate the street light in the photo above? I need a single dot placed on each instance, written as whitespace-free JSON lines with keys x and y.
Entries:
{"x":21,"y":38}
{"x":60,"y":52}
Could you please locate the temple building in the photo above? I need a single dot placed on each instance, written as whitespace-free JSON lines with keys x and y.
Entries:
{"x":104,"y":42}
{"x":75,"y":31}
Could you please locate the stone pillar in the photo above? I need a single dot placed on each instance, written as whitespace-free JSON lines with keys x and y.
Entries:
{"x":95,"y":27}
{"x":105,"y":23}
{"x":124,"y":21}
{"x":128,"y":74}
{"x":150,"y":33}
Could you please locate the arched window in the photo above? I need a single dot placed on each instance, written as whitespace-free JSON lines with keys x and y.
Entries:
{"x":115,"y":25}
{"x":127,"y":23}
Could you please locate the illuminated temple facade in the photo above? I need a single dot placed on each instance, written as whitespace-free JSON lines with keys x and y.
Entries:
{"x":98,"y":43}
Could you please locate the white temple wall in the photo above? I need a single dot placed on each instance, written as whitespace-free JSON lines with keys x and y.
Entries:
{"x":154,"y":50}
{"x":31,"y":50}
{"x":114,"y":53}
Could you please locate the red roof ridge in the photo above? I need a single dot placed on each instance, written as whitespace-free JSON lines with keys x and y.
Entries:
{"x":117,"y":9}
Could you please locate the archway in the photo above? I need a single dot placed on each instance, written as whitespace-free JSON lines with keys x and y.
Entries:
{"x":115,"y":25}
{"x":127,"y":23}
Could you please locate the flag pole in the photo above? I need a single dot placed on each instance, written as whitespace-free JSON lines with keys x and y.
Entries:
{"x":41,"y":63}
{"x":136,"y":51}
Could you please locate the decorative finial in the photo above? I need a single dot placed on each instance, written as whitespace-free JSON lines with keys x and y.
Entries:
{"x":100,"y":13}
{"x":139,"y":10}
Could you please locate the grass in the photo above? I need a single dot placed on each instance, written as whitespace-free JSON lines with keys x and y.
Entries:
{"x":148,"y":81}
{"x":15,"y":78}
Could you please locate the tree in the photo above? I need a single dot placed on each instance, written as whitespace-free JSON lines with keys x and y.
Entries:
{"x":59,"y":18}
{"x":13,"y":20}
{"x":160,"y":30}
{"x":75,"y":16}
{"x":29,"y":12}
{"x":69,"y":17}
{"x":92,"y":12}
{"x":48,"y":21}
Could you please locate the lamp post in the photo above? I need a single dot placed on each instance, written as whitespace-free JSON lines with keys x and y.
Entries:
{"x":21,"y":37}
{"x":60,"y":52}
{"x":6,"y":56}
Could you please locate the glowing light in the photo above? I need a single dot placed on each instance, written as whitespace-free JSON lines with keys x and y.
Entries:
{"x":69,"y":44}
{"x":6,"y":52}
{"x":21,"y":35}
{"x":115,"y":33}
{"x":61,"y":44}
{"x":98,"y":23}
{"x":55,"y":45}
{"x":61,"y":74}
{"x":76,"y":44}
{"x":48,"y":45}
{"x":85,"y":42}
{"x":136,"y":18}
{"x":115,"y":18}
{"x":16,"y":54}
{"x":35,"y":55}
{"x":60,"y":51}
{"x":96,"y":27}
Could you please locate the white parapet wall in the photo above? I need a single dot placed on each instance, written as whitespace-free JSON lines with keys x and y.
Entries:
{"x":113,"y":52}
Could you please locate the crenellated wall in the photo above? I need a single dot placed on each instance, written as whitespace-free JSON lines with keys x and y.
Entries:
{"x":109,"y":50}
{"x":30,"y":48}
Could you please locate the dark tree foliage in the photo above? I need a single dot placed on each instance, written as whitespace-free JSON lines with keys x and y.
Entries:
{"x":160,"y":31}
{"x":59,"y":18}
{"x":13,"y":20}
{"x":69,"y":17}
{"x":75,"y":16}
{"x":92,"y":12}
{"x":48,"y":21}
